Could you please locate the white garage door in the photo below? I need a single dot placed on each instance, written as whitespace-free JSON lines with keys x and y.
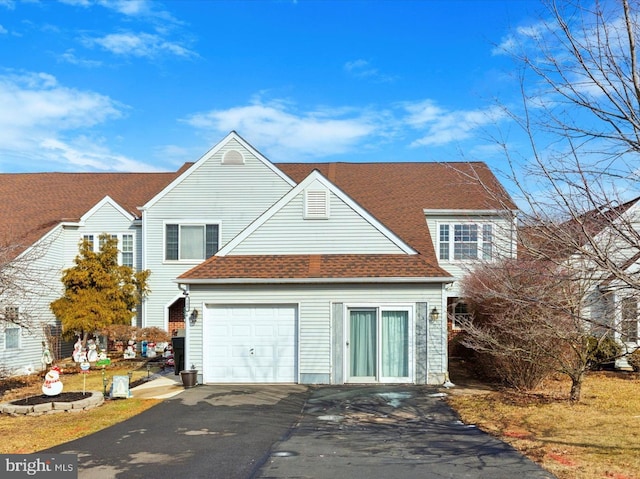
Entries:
{"x":250,"y":344}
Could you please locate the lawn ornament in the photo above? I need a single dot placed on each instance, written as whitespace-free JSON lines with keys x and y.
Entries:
{"x":52,"y":385}
{"x":130,"y":352}
{"x":92,"y":355}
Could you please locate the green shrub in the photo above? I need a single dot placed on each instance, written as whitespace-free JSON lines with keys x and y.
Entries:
{"x":602,"y":350}
{"x":634,"y":360}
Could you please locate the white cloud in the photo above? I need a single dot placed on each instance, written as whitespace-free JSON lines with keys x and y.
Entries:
{"x":438,"y":126}
{"x":70,"y":57}
{"x":289,"y":135}
{"x":9,"y":4}
{"x":41,"y":121}
{"x":139,"y":45}
{"x":363,"y":69}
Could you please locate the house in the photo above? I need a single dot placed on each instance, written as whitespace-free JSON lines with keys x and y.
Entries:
{"x":310,"y":273}
{"x":601,"y":244}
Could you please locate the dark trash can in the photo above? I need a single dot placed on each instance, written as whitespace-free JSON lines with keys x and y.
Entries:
{"x":189,"y":377}
{"x":177,"y":343}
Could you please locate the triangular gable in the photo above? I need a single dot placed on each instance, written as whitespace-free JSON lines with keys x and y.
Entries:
{"x":107,"y":200}
{"x":231,"y":136}
{"x":315,"y":176}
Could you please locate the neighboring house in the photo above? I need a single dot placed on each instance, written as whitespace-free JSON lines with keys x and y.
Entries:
{"x":307,"y":272}
{"x":611,"y":233}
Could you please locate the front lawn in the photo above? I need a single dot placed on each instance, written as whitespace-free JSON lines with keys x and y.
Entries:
{"x":599,"y":437}
{"x":28,"y":434}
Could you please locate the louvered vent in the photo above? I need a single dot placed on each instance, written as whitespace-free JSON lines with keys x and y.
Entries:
{"x":233,"y":157}
{"x":316,"y":204}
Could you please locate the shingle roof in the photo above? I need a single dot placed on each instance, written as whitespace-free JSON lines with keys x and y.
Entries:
{"x":315,"y":267}
{"x":396,"y":194}
{"x":31,"y":204}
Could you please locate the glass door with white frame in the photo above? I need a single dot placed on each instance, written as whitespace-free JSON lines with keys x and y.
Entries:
{"x":379,"y":345}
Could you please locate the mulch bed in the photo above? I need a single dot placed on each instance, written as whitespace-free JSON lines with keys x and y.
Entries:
{"x":43,"y":399}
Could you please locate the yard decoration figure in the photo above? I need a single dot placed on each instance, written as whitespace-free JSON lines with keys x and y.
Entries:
{"x":52,"y":385}
{"x":78,"y":351}
{"x":92,"y":356}
{"x":130,"y":352}
{"x":47,"y":358}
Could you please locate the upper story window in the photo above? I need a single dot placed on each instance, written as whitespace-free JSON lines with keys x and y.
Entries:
{"x":465,"y":241}
{"x":188,"y":242}
{"x":125,"y":246}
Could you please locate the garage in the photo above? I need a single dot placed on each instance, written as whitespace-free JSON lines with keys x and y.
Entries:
{"x":250,"y":344}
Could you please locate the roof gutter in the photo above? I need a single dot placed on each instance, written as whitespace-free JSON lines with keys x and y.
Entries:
{"x":444,"y":279}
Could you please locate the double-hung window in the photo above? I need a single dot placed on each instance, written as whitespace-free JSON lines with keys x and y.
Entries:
{"x":189,"y":242}
{"x":126,"y":246}
{"x":629,"y":329}
{"x":12,"y":330}
{"x":465,"y":241}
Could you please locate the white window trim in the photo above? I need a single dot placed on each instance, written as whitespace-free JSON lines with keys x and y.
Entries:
{"x":380,"y":307}
{"x":479,"y":241}
{"x":119,"y":236}
{"x":12,"y":326}
{"x":189,"y":222}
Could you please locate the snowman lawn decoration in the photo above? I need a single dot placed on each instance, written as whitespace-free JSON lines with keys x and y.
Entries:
{"x":52,"y":385}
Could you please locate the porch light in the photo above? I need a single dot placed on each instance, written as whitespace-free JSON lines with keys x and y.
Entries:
{"x":434,"y":315}
{"x":193,"y":317}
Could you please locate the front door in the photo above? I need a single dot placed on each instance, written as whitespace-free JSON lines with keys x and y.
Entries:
{"x":379,"y":345}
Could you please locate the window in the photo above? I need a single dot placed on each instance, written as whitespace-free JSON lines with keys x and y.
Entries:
{"x":629,"y":327}
{"x":470,"y":241}
{"x":459,"y":313}
{"x":190,"y":241}
{"x":12,"y":338}
{"x":126,"y":250}
{"x":11,"y":332}
{"x":126,"y":246}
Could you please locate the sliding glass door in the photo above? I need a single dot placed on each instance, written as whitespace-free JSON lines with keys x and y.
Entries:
{"x":379,"y":345}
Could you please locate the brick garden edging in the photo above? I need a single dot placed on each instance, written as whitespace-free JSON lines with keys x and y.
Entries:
{"x":94,"y":400}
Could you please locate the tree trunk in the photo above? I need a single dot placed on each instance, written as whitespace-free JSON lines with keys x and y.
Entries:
{"x":576,"y":387}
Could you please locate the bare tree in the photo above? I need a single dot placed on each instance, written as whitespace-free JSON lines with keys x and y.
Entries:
{"x":21,"y":283}
{"x":576,"y":180}
{"x":528,"y":320}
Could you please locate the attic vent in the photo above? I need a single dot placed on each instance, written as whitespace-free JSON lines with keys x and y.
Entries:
{"x":316,"y":204}
{"x":233,"y":157}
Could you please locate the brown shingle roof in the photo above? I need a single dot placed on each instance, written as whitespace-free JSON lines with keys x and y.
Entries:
{"x":324,"y":266}
{"x":397,"y":193}
{"x":31,"y":204}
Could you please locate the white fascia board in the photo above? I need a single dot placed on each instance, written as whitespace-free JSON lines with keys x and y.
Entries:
{"x":467,"y":213}
{"x":315,"y":175}
{"x":49,"y":235}
{"x":104,"y":201}
{"x":313,"y":280}
{"x":231,"y":136}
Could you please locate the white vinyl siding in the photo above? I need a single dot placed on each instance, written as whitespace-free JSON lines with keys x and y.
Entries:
{"x":315,"y":315}
{"x":230,"y":195}
{"x":343,"y":232}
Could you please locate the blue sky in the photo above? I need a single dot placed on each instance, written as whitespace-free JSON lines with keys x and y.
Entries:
{"x":101,"y":85}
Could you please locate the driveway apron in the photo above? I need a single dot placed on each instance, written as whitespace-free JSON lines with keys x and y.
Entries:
{"x":391,"y":432}
{"x":293,"y":431}
{"x":204,"y":432}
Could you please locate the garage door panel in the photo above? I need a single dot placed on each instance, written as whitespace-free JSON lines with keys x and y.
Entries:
{"x":250,"y":344}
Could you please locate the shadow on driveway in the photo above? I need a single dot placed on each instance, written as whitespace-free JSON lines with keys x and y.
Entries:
{"x":391,"y":432}
{"x":294,"y":431}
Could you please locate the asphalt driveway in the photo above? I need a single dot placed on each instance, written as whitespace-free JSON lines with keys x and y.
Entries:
{"x":298,"y":432}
